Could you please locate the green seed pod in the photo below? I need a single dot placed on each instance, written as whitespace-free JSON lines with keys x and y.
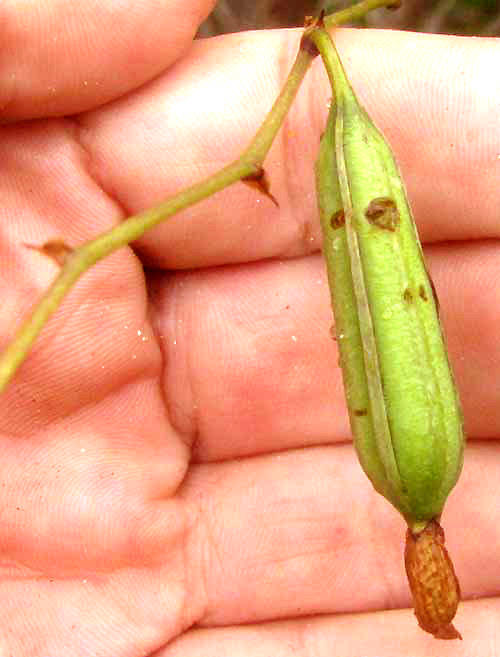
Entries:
{"x":403,"y":405}
{"x":402,"y":401}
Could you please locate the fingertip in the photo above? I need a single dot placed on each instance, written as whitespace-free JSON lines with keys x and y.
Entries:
{"x":60,"y":57}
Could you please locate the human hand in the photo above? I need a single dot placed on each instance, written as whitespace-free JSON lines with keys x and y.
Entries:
{"x":178,"y":477}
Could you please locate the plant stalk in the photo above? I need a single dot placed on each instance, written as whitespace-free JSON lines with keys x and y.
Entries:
{"x":248,"y":165}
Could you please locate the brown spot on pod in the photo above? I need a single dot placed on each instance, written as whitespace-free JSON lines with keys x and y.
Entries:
{"x":338,"y":219}
{"x":422,"y":293}
{"x":360,"y":412}
{"x":407,"y":295}
{"x":383,"y":212}
{"x":432,"y":579}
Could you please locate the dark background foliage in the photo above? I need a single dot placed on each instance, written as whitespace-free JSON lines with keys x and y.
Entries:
{"x":467,"y":17}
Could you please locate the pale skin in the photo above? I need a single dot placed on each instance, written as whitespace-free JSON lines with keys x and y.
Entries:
{"x":177,"y":472}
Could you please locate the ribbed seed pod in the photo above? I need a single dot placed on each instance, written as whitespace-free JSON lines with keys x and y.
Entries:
{"x":403,"y":405}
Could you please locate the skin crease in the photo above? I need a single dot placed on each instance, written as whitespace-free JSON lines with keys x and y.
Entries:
{"x":177,"y":472}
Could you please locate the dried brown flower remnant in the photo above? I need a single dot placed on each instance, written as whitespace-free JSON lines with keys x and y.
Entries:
{"x":433,"y":583}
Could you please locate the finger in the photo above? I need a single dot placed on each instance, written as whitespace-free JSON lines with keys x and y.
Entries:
{"x":304,"y":533}
{"x":388,"y":633}
{"x":100,"y":340}
{"x":85,"y":440}
{"x":200,"y":115}
{"x":89,"y":529}
{"x":252,"y":366}
{"x":61,"y":57}
{"x":47,"y":195}
{"x":95,"y":369}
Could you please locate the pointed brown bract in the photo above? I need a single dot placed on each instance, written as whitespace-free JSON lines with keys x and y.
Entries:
{"x":55,"y":249}
{"x":433,"y":583}
{"x":260,"y":182}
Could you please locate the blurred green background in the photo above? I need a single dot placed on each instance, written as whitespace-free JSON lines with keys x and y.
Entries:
{"x":467,"y":17}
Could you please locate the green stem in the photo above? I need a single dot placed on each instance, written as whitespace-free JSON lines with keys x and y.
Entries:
{"x":356,"y":12}
{"x":249,"y":164}
{"x":88,"y":254}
